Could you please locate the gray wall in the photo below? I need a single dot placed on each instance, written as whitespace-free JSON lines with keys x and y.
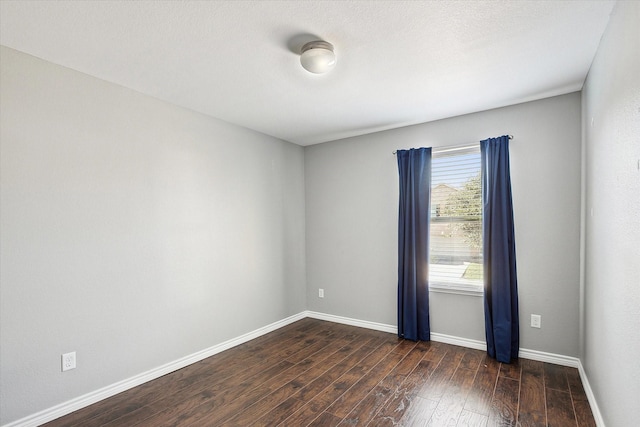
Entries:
{"x":352,"y":198}
{"x":134,"y":232}
{"x":612,"y":219}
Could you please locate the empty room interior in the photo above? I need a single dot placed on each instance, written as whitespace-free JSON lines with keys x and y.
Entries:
{"x":201,"y":200}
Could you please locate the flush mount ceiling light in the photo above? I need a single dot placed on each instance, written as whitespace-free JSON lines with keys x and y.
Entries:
{"x":318,"y":57}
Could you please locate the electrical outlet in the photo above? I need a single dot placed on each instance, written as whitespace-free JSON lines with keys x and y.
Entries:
{"x":321,"y":293}
{"x":68,"y":361}
{"x":536,"y":321}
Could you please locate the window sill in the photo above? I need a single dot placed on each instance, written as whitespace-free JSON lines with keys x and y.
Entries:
{"x":457,"y":288}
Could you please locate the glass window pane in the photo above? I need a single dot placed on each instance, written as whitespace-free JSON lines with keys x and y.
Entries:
{"x":456,"y":219}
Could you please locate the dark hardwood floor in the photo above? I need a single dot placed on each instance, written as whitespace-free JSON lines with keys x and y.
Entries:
{"x":316,"y":373}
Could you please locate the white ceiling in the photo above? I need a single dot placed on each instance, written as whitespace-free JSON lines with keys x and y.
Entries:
{"x":399,"y":62}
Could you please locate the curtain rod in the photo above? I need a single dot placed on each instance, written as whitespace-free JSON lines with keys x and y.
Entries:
{"x":454,"y":147}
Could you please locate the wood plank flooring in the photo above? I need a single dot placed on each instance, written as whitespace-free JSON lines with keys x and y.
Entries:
{"x":316,"y":373}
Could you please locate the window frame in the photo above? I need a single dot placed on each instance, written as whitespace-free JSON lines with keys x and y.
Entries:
{"x":452,"y":287}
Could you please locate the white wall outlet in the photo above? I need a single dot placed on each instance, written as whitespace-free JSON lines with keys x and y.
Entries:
{"x":68,"y":361}
{"x":536,"y":321}
{"x":321,"y":293}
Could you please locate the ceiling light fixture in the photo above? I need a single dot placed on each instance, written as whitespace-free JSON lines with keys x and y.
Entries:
{"x":317,"y":57}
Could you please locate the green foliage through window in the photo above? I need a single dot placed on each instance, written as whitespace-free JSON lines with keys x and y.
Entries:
{"x":466,"y":206}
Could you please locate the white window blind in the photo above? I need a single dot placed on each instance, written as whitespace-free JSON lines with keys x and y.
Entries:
{"x":456,"y":220}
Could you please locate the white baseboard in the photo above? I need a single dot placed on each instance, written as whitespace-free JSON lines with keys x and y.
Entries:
{"x":70,"y":406}
{"x":556,"y":359}
{"x":541,"y":356}
{"x":352,"y":322}
{"x":111,"y":390}
{"x":462,"y":342}
{"x":597,"y":415}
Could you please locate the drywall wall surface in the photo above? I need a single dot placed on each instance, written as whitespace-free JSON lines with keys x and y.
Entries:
{"x":352,"y":216}
{"x":134,"y":233}
{"x":611,"y":121}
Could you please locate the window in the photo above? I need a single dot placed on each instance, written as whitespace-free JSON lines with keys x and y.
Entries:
{"x":455,"y":263}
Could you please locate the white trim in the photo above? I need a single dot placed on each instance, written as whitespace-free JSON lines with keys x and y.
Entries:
{"x":462,"y":342}
{"x":597,"y":415}
{"x":556,"y":359}
{"x":473,"y":147}
{"x":524,"y":353}
{"x":458,"y":289}
{"x":353,"y":322}
{"x":111,"y":390}
{"x":80,"y":402}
